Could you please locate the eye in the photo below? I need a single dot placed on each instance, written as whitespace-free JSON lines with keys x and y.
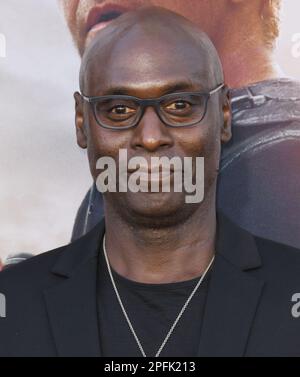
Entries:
{"x":179,"y":105}
{"x":122,"y":110}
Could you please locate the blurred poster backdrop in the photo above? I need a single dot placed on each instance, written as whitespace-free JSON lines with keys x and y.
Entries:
{"x":43,"y":174}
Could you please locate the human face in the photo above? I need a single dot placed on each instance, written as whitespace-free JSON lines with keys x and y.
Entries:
{"x":153,"y":76}
{"x":86,"y":17}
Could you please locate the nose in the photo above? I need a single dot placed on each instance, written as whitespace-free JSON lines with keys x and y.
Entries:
{"x":151,"y":133}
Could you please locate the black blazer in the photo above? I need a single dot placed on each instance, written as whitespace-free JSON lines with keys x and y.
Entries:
{"x":51,"y":299}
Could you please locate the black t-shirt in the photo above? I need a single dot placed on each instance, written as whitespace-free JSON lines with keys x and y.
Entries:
{"x":152,"y":309}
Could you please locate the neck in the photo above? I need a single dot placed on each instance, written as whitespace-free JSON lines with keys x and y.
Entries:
{"x":161,"y":255}
{"x":245,"y":56}
{"x":241,"y":70}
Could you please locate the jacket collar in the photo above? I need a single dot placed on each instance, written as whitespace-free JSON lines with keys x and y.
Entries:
{"x":236,"y":245}
{"x":79,"y":252}
{"x":233,"y":243}
{"x":232,"y":299}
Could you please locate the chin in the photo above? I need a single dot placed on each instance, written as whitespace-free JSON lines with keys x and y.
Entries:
{"x":156,"y":209}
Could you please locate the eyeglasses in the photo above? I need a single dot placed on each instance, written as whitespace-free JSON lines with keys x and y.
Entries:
{"x":121,"y":112}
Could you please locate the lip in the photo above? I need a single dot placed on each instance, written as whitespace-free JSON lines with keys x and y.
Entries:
{"x":153,"y":170}
{"x":99,"y":16}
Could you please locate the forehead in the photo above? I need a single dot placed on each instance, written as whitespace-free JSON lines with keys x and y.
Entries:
{"x":137,"y":61}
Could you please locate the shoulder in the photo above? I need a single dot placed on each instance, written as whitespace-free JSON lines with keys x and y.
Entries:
{"x":44,"y":269}
{"x":280,"y":263}
{"x":278,"y":253}
{"x":276,"y":329}
{"x":31,"y":272}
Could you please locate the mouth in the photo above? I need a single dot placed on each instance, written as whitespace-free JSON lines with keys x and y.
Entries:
{"x":148,"y":170}
{"x":155,"y":174}
{"x":101,"y":15}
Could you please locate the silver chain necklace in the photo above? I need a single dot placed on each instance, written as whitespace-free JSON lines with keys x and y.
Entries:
{"x":176,"y":320}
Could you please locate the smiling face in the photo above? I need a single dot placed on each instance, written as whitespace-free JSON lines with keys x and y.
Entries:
{"x":86,"y":17}
{"x":108,"y":69}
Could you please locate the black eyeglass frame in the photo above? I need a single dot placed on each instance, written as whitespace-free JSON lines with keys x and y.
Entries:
{"x":146,"y":102}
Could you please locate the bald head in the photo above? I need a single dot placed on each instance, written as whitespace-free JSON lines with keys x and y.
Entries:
{"x":134,"y":41}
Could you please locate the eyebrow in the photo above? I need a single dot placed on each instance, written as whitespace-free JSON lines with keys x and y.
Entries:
{"x":187,"y":85}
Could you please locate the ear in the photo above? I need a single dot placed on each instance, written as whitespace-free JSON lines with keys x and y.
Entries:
{"x":226,"y":133}
{"x":79,"y":121}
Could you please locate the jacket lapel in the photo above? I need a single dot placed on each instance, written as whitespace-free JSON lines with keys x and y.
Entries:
{"x":71,"y":304}
{"x":233,"y":294}
{"x":230,"y":308}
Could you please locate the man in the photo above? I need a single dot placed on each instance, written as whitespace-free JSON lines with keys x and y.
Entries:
{"x":159,"y":276}
{"x":259,"y":182}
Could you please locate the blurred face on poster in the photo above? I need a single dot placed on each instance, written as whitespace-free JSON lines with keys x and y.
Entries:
{"x":86,"y":17}
{"x":239,"y":29}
